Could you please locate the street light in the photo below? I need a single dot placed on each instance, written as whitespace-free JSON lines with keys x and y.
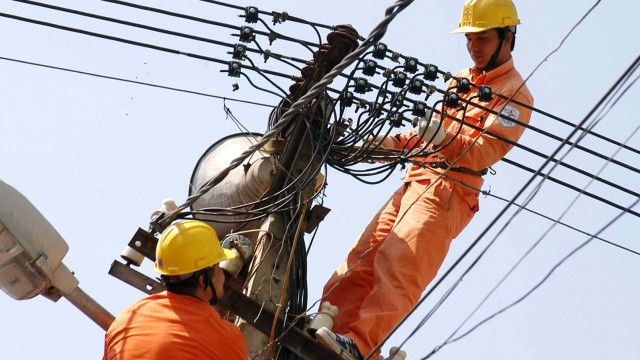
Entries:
{"x":31,"y":253}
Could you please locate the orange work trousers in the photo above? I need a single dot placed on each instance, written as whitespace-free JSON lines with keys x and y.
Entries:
{"x":396,"y":257}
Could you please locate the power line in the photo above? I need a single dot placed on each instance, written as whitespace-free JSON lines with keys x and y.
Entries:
{"x":544,"y":279}
{"x":263,"y":72}
{"x":134,"y":82}
{"x":483,"y":233}
{"x":504,"y":210}
{"x":449,"y":340}
{"x":178,"y":90}
{"x":600,"y":198}
{"x":546,"y":217}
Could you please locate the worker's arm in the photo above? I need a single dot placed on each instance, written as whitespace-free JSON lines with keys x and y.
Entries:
{"x":477,"y":149}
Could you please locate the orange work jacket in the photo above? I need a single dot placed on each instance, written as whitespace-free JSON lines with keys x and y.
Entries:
{"x":468,"y":147}
{"x":173,"y":326}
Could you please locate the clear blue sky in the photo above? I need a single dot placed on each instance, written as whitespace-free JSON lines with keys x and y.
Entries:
{"x":97,"y":156}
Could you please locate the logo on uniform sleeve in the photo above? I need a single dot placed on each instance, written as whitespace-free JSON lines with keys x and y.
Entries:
{"x":509,"y":113}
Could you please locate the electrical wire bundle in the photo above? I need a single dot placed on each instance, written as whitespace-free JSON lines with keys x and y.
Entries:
{"x":382,"y":92}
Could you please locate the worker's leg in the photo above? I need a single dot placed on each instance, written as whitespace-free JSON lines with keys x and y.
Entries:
{"x":352,"y":282}
{"x":429,"y":217}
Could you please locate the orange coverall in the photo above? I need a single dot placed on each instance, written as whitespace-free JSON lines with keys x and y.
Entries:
{"x":400,"y":251}
{"x":173,"y":326}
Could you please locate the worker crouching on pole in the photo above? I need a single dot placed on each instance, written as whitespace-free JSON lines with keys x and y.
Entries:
{"x":400,"y":251}
{"x":180,"y":323}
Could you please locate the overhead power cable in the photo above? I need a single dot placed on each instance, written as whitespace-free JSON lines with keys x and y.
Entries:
{"x":583,"y":232}
{"x":624,"y":76}
{"x":612,"y":90}
{"x":544,"y":279}
{"x":205,"y":21}
{"x":135,"y":82}
{"x":223,"y":44}
{"x":281,"y":16}
{"x":132,"y":42}
{"x":296,"y":107}
{"x":603,"y":100}
{"x":261,"y":71}
{"x":165,"y":31}
{"x":451,"y":338}
{"x":113,"y":38}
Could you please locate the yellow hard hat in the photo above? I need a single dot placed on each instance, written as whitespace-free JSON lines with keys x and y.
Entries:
{"x":481,"y":15}
{"x":187,"y":246}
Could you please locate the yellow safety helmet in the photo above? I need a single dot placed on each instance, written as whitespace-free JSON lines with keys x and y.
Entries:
{"x":188,"y":246}
{"x":481,"y":15}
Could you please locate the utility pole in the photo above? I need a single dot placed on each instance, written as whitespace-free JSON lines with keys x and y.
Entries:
{"x":259,"y":295}
{"x":298,"y":177}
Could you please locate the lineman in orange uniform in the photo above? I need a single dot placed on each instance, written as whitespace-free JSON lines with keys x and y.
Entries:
{"x":180,"y":323}
{"x":400,"y":251}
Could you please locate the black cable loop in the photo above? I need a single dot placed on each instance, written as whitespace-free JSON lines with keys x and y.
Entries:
{"x":285,"y":94}
{"x":294,"y":40}
{"x":258,"y":87}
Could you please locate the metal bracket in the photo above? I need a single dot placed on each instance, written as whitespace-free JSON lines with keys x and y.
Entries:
{"x":315,"y":216}
{"x":144,"y":243}
{"x":135,"y":278}
{"x":262,"y":319}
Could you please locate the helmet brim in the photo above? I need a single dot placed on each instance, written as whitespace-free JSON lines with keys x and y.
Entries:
{"x":469,"y":29}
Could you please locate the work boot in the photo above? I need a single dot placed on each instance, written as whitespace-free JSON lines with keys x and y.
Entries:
{"x":340,"y":344}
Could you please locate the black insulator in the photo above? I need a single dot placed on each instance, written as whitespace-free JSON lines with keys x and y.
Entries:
{"x":239,"y":51}
{"x":419,"y":109}
{"x":415,"y":87}
{"x":430,"y":72}
{"x":398,"y":99}
{"x":485,"y":93}
{"x":463,"y":86}
{"x":347,"y":99}
{"x":411,"y":65}
{"x":279,"y":18}
{"x":246,"y":34}
{"x":395,"y":120}
{"x":251,"y":14}
{"x":370,"y":67}
{"x":235,"y":68}
{"x":399,"y":79}
{"x":361,"y":86}
{"x":379,"y":51}
{"x":451,"y":99}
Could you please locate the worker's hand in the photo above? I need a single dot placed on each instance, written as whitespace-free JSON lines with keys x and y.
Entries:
{"x":243,"y":248}
{"x":431,"y":130}
{"x":387,"y":142}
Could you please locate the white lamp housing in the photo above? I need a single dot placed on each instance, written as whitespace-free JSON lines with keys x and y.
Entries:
{"x":31,"y":250}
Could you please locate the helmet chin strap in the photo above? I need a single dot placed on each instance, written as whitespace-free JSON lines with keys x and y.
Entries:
{"x":502,"y":34}
{"x":208,"y":282}
{"x":494,"y":58}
